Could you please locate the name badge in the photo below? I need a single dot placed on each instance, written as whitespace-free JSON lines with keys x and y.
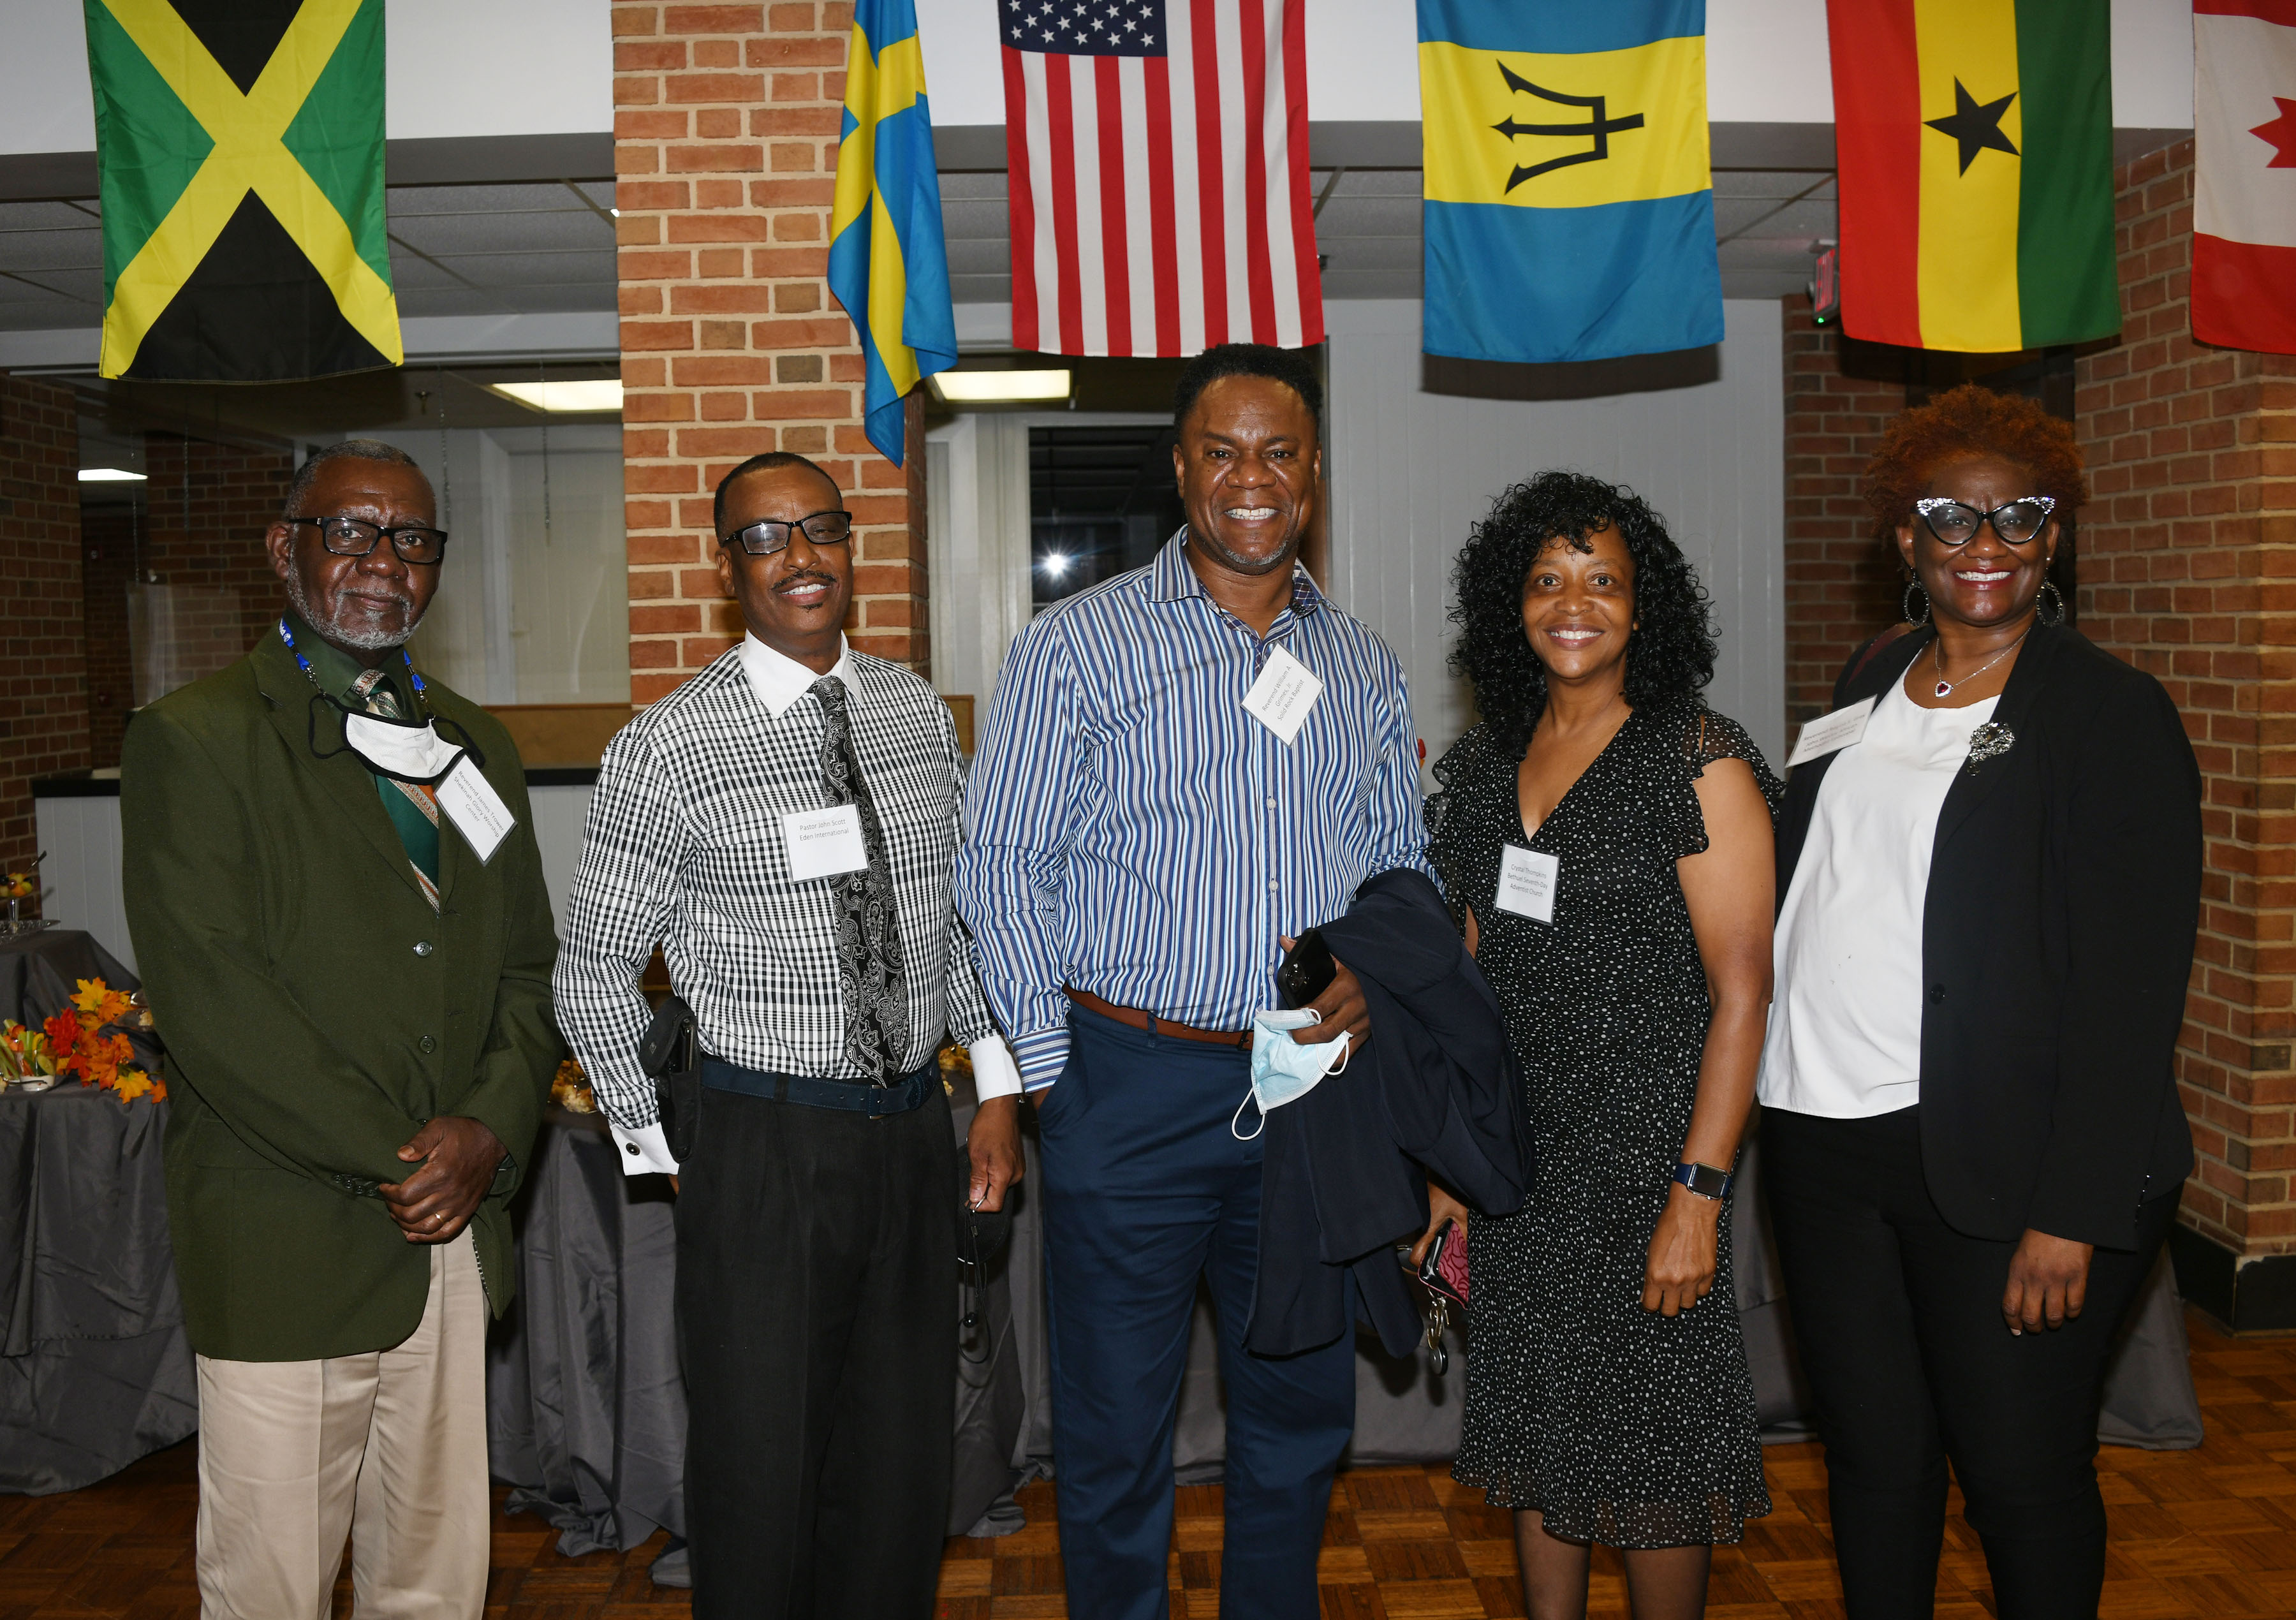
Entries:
{"x":478,"y":811}
{"x":1526,"y":881}
{"x":1281,"y":698}
{"x":823,"y":843}
{"x":1829,"y":733}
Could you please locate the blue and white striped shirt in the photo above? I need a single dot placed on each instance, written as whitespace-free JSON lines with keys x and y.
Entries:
{"x":1131,"y":832}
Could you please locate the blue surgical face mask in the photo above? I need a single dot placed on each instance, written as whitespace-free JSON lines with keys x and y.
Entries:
{"x":1282,"y":1070}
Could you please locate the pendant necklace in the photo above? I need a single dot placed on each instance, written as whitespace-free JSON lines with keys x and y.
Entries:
{"x":1945,"y":687}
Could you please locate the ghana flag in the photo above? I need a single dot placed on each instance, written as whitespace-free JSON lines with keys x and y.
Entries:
{"x":241,"y":149}
{"x":1975,"y":144}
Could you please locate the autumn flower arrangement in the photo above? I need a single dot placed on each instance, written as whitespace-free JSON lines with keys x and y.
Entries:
{"x":85,"y":1040}
{"x":570,"y":1091}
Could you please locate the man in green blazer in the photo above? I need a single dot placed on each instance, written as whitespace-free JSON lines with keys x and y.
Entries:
{"x":348,"y":955}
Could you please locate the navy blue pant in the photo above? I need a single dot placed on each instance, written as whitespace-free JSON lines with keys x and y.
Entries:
{"x":1145,"y":1190}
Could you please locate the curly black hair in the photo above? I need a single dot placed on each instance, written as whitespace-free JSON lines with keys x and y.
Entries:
{"x":1671,"y":656}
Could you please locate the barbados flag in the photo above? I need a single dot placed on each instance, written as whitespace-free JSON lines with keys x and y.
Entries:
{"x":1569,"y":201}
{"x":887,"y":265}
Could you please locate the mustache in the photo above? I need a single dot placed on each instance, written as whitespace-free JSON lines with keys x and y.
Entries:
{"x":810,"y":577}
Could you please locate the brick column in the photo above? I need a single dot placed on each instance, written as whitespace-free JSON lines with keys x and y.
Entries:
{"x":2188,"y":550}
{"x":1843,"y":585}
{"x":43,"y":636}
{"x":727,"y":120}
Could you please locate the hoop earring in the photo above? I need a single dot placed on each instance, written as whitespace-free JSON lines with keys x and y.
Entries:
{"x":1907,"y":604}
{"x":2049,"y":594}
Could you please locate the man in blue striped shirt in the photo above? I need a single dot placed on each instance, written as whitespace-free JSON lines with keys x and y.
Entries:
{"x":1184,"y":766}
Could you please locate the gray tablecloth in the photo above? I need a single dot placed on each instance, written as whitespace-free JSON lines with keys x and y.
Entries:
{"x":95,"y":1369}
{"x":585,"y":1412}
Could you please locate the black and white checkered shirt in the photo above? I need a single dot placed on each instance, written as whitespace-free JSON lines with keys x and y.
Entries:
{"x":684,"y":848}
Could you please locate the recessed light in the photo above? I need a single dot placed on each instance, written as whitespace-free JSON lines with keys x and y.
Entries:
{"x":109,"y":475}
{"x":596,"y":394}
{"x":999,"y":387}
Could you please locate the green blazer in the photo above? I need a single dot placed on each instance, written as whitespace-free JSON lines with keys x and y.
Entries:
{"x":317,"y":1010}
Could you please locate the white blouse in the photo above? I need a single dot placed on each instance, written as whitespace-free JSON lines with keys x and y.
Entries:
{"x":1845,"y":1029}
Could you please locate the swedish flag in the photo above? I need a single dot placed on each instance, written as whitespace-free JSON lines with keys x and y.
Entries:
{"x":1569,"y":201}
{"x":241,"y":156}
{"x":887,"y":265}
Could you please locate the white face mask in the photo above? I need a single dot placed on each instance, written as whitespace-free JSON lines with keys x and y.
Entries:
{"x":1282,"y":1070}
{"x":400,"y":747}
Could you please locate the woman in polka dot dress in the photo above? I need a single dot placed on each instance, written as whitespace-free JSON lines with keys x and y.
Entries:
{"x":1607,"y":841}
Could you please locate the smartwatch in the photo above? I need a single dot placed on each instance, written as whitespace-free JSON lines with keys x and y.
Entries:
{"x":1704,"y":1180}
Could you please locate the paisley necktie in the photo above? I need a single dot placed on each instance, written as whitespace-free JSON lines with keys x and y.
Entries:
{"x":869,"y":967}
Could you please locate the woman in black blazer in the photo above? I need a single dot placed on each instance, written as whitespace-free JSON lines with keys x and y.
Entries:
{"x":1972,"y":1136}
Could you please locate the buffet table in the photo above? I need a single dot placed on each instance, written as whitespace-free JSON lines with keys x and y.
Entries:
{"x":95,"y":1369}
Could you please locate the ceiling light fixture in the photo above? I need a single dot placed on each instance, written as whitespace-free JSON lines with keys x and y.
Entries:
{"x":999,"y":387}
{"x":109,"y":475}
{"x":595,"y":394}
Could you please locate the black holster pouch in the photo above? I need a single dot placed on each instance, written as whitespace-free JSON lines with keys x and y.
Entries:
{"x":671,"y":1056}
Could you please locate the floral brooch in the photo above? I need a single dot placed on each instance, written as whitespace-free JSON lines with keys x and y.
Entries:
{"x":1990,"y":741}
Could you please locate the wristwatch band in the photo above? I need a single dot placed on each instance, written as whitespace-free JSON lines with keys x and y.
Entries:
{"x":1704,"y":1180}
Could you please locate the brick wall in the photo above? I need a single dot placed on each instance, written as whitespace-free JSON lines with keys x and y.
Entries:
{"x":2187,"y":551}
{"x":43,"y":683}
{"x":198,"y":527}
{"x":727,"y":120}
{"x":1843,"y":585}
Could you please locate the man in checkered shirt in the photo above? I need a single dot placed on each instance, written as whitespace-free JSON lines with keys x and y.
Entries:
{"x":783,"y":827}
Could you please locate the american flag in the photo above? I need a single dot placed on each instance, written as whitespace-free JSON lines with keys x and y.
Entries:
{"x":1158,"y":151}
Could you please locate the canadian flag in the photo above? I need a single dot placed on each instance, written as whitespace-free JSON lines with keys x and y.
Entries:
{"x":2244,"y":191}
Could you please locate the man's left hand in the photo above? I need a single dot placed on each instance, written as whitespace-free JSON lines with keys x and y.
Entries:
{"x":459,"y":1158}
{"x":1342,"y":1005}
{"x":993,"y":1142}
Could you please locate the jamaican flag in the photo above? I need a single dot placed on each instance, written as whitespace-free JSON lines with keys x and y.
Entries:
{"x":1975,"y":140}
{"x":241,"y":148}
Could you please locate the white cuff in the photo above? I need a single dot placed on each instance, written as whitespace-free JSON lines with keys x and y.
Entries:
{"x":645,"y":1151}
{"x":994,"y":1072}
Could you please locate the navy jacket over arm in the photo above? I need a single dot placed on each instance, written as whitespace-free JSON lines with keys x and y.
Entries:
{"x":1436,"y":1089}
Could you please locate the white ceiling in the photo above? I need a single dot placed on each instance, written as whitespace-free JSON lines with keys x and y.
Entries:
{"x":544,"y":247}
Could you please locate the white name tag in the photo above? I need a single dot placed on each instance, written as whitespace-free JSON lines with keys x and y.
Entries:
{"x":1828,"y":733}
{"x":1282,"y":697}
{"x":1526,"y":881}
{"x":478,"y":811}
{"x":823,"y":843}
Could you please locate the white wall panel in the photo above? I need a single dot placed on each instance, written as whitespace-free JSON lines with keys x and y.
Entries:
{"x":1411,"y":472}
{"x":79,"y":881}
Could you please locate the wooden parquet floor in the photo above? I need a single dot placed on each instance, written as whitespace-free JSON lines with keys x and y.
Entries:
{"x":2209,"y":1534}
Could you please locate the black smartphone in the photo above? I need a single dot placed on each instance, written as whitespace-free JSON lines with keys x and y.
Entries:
{"x":1307,"y":969}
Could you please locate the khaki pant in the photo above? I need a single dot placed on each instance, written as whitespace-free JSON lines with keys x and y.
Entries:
{"x":389,"y":1446}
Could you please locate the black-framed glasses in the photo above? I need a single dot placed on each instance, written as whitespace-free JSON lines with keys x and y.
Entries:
{"x":1956,"y":522}
{"x":821,"y":527}
{"x":357,"y":538}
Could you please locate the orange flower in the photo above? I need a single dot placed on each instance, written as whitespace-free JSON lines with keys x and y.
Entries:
{"x":65,"y":1042}
{"x":100,"y":1003}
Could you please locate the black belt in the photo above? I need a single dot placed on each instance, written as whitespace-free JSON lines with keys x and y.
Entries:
{"x":853,"y":1095}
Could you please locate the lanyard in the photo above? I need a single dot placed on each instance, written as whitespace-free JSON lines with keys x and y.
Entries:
{"x":422,"y":692}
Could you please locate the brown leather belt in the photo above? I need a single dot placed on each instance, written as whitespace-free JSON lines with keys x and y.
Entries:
{"x":1153,"y":1025}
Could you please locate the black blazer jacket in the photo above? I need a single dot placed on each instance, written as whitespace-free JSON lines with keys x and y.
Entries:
{"x":2056,"y":944}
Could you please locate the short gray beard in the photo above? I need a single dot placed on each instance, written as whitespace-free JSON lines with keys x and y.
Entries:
{"x":368,"y":640}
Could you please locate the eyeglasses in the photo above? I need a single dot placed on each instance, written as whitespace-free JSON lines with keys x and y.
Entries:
{"x":822,"y":527}
{"x":1955,"y":523}
{"x":357,"y":537}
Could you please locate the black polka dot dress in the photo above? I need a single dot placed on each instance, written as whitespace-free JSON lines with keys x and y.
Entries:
{"x":1619,"y":1425}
